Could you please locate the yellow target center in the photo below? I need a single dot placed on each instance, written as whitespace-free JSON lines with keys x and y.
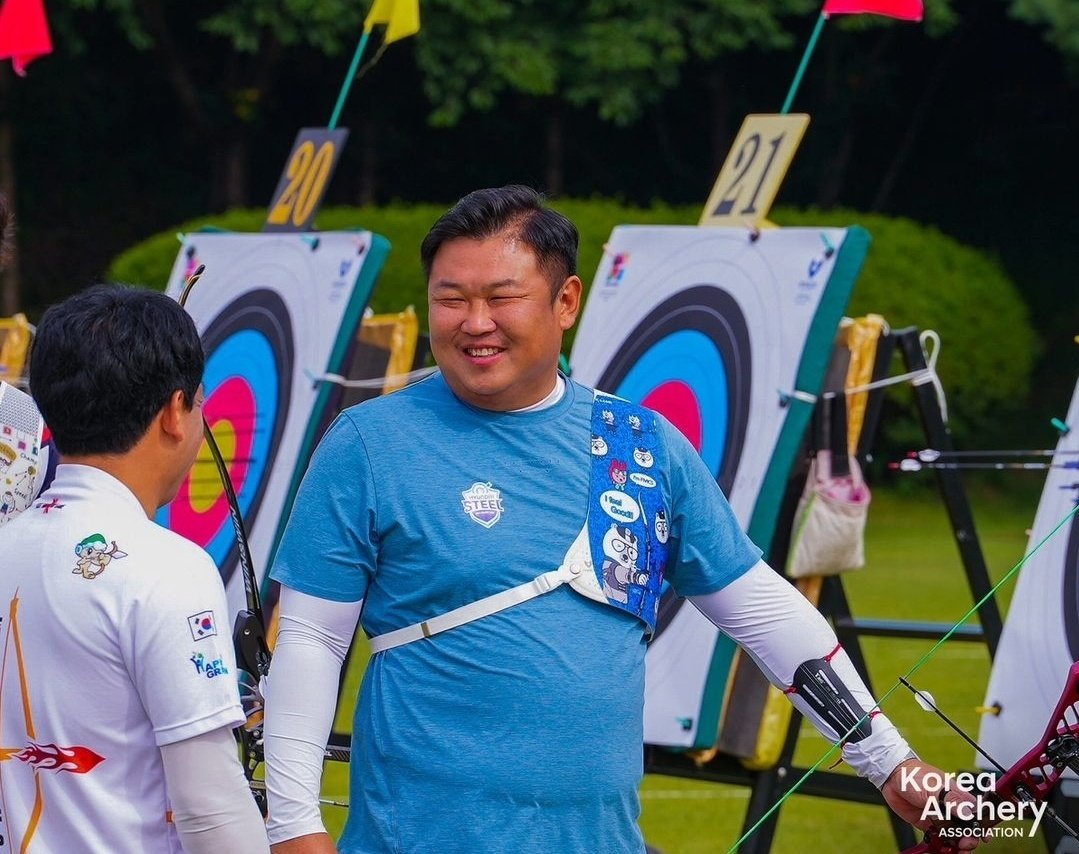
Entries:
{"x":206,"y":487}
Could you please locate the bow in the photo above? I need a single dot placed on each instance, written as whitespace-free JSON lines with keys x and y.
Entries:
{"x":1017,"y":782}
{"x":249,"y":630}
{"x":1032,"y":778}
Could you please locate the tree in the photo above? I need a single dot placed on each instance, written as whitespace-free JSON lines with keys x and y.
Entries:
{"x":1061,"y":21}
{"x":222,"y":62}
{"x":856,"y":72}
{"x":616,"y":56}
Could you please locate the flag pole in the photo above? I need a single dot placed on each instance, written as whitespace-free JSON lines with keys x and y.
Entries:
{"x":805,"y":61}
{"x":349,"y":78}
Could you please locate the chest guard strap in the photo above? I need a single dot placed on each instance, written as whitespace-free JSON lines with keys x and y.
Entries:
{"x":619,"y":556}
{"x":576,"y":570}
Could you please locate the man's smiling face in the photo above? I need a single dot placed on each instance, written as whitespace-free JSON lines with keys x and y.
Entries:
{"x":497,"y":321}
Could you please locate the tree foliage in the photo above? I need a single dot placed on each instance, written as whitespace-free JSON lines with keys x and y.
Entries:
{"x":220,"y":61}
{"x":1060,"y":19}
{"x":914,"y":276}
{"x":241,"y":25}
{"x":617,"y":56}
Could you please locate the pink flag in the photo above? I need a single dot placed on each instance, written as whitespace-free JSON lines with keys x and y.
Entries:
{"x":24,"y":33}
{"x":907,"y":10}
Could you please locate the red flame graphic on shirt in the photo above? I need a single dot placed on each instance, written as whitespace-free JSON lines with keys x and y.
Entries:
{"x":51,"y":757}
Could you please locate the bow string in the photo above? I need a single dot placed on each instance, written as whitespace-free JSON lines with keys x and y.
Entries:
{"x":1024,"y":783}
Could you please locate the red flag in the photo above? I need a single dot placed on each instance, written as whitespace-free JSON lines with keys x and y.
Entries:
{"x":907,"y":10}
{"x":24,"y":33}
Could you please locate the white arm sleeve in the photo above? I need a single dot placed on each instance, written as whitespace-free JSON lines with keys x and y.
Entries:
{"x":781,"y":630}
{"x":212,"y":808}
{"x":301,"y":695}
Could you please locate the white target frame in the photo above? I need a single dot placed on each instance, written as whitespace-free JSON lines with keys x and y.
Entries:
{"x":321,"y":283}
{"x":1040,"y":640}
{"x":791,"y":286}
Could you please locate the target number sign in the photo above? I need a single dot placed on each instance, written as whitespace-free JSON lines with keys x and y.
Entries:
{"x":303,"y":183}
{"x":754,"y":169}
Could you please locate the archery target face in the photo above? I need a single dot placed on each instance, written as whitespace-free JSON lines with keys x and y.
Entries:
{"x":248,"y":374}
{"x":707,"y":328}
{"x":275,"y":312}
{"x":1040,"y":640}
{"x":689,"y":359}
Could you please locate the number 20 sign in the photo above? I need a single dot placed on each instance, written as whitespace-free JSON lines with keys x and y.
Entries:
{"x":754,"y":169}
{"x":305,"y":178}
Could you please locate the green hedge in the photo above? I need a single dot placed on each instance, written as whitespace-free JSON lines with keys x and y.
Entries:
{"x":401,"y":282}
{"x":914,"y":276}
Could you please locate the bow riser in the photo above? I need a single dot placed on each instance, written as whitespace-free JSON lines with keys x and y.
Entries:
{"x":1035,"y":775}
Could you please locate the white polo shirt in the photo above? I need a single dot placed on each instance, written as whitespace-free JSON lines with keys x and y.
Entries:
{"x":115,"y":640}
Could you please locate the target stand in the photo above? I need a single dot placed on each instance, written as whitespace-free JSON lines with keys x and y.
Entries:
{"x":776,"y":777}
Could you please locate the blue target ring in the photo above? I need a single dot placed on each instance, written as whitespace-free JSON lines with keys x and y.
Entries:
{"x":692,"y":349}
{"x":699,"y":338}
{"x":247,"y":381}
{"x":691,"y":359}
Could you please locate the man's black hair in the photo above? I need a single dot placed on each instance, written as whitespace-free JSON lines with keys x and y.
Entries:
{"x":105,"y":361}
{"x":519,"y":210}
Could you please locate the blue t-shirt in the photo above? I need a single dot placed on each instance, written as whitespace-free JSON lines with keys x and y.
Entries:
{"x":521,"y":731}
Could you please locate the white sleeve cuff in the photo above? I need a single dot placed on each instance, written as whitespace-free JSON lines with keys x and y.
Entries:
{"x":878,"y":755}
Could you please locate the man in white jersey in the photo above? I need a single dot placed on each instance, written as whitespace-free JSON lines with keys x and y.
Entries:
{"x":118,"y":691}
{"x":502,"y":707}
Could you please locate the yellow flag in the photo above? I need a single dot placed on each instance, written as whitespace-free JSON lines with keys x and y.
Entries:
{"x":401,"y":17}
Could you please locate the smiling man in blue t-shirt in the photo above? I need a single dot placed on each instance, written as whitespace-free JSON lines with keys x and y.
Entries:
{"x":479,"y":522}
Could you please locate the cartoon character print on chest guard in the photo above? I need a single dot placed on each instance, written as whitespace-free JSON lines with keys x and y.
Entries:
{"x":627,"y":511}
{"x":94,"y":554}
{"x":618,"y":473}
{"x":621,"y":550}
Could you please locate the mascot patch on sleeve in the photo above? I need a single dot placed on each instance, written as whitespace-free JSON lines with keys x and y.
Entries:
{"x":628,"y":520}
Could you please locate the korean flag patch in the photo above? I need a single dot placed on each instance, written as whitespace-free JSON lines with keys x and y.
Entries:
{"x":202,"y":625}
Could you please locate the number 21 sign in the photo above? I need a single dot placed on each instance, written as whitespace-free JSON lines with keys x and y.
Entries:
{"x":754,"y":169}
{"x":305,"y":178}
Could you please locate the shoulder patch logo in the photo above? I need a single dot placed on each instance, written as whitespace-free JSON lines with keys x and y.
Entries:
{"x":483,"y":504}
{"x":94,"y":554}
{"x":202,"y":625}
{"x":207,"y":668}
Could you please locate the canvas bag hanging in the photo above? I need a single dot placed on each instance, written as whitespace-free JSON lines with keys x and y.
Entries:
{"x":829,"y":525}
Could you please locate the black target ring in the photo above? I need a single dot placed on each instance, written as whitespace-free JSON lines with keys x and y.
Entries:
{"x":718,"y":338}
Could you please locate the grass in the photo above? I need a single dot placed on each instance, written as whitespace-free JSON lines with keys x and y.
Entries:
{"x":913,"y":572}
